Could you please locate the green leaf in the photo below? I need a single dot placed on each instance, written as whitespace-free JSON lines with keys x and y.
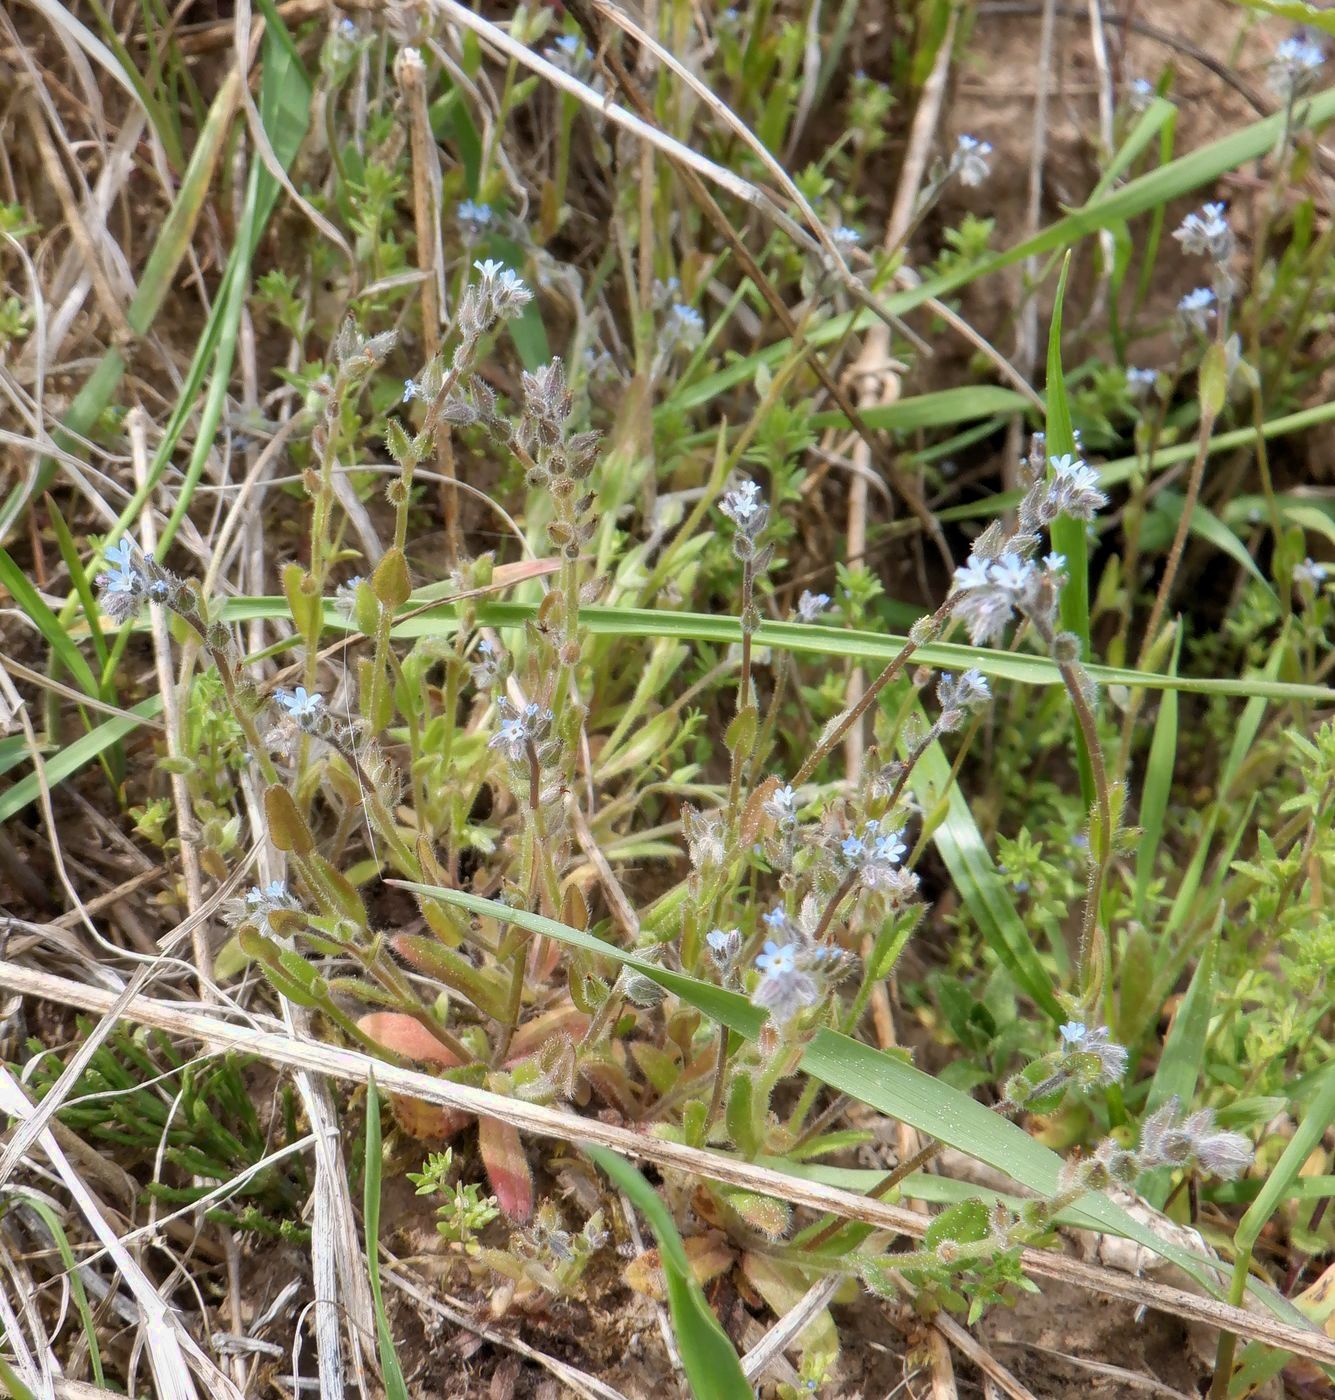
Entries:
{"x":74,"y":756}
{"x":965,"y":1223}
{"x":1068,"y":535}
{"x":1179,"y":1066}
{"x":1158,"y":784}
{"x":26,"y":596}
{"x":711,"y":1363}
{"x":935,"y":410}
{"x":390,"y":1370}
{"x":808,"y":639}
{"x":960,"y":845}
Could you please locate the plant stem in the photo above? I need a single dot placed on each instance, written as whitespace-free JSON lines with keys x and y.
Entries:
{"x":850,"y":717}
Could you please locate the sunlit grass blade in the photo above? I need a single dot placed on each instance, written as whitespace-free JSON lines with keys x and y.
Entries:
{"x":960,"y":844}
{"x":390,"y":1370}
{"x":711,"y":1363}
{"x":1068,"y":534}
{"x":808,"y":639}
{"x":72,"y":757}
{"x":1180,"y":1063}
{"x":1158,"y":785}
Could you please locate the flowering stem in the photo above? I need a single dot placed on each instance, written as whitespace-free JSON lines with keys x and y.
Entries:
{"x":748,"y":590}
{"x":720,"y":1081}
{"x":850,"y":717}
{"x":1100,"y":853}
{"x":845,"y":889}
{"x":911,"y":762}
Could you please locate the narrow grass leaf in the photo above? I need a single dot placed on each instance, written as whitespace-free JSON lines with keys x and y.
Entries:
{"x":72,"y":1276}
{"x":1068,"y":534}
{"x":940,"y":409}
{"x":1180,"y":1063}
{"x":806,"y":639}
{"x":710,"y":1360}
{"x":82,"y":587}
{"x":961,"y":846}
{"x":27,"y":597}
{"x":1158,"y":785}
{"x":75,"y":756}
{"x":390,"y":1370}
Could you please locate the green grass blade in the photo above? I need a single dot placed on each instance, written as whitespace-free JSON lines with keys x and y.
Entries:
{"x":77,"y":1290}
{"x":1068,"y":535}
{"x":390,"y":1370}
{"x":1180,"y":1063}
{"x":709,"y":1358}
{"x":1207,"y":526}
{"x":960,"y":845}
{"x":939,"y":409}
{"x":82,"y":586}
{"x":806,"y":639}
{"x":27,"y":597}
{"x":285,"y":95}
{"x":1120,"y":469}
{"x":1157,"y":786}
{"x":1148,"y":125}
{"x":75,"y":756}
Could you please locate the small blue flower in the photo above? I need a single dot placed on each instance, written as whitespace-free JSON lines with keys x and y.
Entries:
{"x":511,"y":739}
{"x":1110,"y":1059}
{"x":785,"y":988}
{"x":811,"y":605}
{"x":299,"y":703}
{"x":1294,"y":68}
{"x":853,"y":848}
{"x":776,"y":919}
{"x":777,"y":958}
{"x":1196,"y":308}
{"x":970,"y":160}
{"x":411,"y":390}
{"x":120,"y":554}
{"x":473,"y":218}
{"x":1310,"y":573}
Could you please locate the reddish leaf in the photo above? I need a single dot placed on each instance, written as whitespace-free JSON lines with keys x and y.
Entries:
{"x":405,"y":1036}
{"x":565,"y":1020}
{"x":507,"y":1167}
